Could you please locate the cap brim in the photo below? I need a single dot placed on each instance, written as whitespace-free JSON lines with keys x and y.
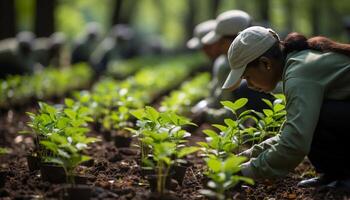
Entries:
{"x":194,"y":43}
{"x":234,"y":79}
{"x":211,"y":38}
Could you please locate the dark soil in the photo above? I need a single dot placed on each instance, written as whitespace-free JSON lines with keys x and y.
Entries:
{"x":115,"y":173}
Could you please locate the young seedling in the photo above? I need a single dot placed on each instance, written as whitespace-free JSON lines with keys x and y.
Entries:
{"x":231,"y":136}
{"x":67,"y":151}
{"x":161,"y":141}
{"x":223,"y":175}
{"x":271,"y":120}
{"x":164,"y":126}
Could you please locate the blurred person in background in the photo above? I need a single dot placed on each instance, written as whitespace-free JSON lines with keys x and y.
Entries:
{"x":216,"y":44}
{"x":85,"y":45}
{"x":49,"y":51}
{"x":119,"y":44}
{"x":16,"y":56}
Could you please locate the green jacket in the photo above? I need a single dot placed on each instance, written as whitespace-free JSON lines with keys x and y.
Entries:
{"x":309,"y":77}
{"x":215,"y":112}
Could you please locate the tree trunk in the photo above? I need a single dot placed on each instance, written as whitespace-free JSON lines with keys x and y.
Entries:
{"x":44,"y":18}
{"x":123,"y":11}
{"x":214,"y":8}
{"x":117,"y":11}
{"x":190,"y":20}
{"x":289,"y":8}
{"x":316,"y":12}
{"x":7,"y":19}
{"x":241,"y":5}
{"x":263,"y":8}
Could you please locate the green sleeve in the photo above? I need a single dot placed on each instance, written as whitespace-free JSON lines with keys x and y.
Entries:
{"x":257,"y":149}
{"x":304,"y":100}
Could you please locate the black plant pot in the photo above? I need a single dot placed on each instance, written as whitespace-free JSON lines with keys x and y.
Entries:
{"x":3,"y":176}
{"x":122,"y":141}
{"x":33,"y":162}
{"x":179,"y":173}
{"x":52,"y":173}
{"x":107,"y":135}
{"x":81,"y":192}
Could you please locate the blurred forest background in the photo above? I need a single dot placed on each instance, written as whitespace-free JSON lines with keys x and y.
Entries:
{"x":171,"y":21}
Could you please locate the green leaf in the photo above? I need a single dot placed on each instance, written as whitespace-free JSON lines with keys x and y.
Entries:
{"x":203,"y":144}
{"x":56,"y":138}
{"x":210,"y":133}
{"x":268,"y":112}
{"x":186,"y":151}
{"x":70,"y":113}
{"x":214,"y":164}
{"x":220,"y":127}
{"x":151,"y":113}
{"x":233,"y":162}
{"x":49,"y":145}
{"x":138,"y":113}
{"x":230,"y":122}
{"x":244,"y":179}
{"x":268,"y":102}
{"x":236,"y":105}
{"x":278,"y":107}
{"x":69,"y":102}
{"x":62,"y":153}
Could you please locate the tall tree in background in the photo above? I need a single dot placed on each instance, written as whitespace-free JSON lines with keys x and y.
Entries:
{"x":123,"y":11}
{"x":315,"y":18}
{"x":44,"y":17}
{"x":190,"y":19}
{"x":117,"y":11}
{"x":241,"y":5}
{"x":263,"y":8}
{"x":214,"y":8}
{"x":289,"y":8}
{"x":7,"y":19}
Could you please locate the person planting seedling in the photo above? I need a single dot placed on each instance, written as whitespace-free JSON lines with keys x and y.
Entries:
{"x":315,"y":73}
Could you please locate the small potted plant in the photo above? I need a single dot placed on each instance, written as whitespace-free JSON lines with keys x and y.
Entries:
{"x":67,"y":153}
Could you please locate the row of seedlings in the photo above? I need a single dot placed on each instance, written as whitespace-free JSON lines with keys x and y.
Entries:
{"x":51,"y":82}
{"x":60,"y":130}
{"x":190,"y":92}
{"x":110,"y":101}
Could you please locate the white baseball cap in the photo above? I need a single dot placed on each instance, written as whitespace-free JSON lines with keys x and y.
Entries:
{"x":199,"y":32}
{"x":249,"y":45}
{"x":228,"y":23}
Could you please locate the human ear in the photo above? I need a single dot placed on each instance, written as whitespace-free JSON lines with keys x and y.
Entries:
{"x":266,"y":62}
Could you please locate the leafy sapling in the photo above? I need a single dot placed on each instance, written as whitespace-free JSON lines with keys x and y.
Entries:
{"x":223,"y":175}
{"x":231,"y":135}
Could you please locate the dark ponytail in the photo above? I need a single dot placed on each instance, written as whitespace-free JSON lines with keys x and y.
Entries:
{"x":297,"y":42}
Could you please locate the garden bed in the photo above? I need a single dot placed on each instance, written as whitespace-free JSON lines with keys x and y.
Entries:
{"x":115,"y":173}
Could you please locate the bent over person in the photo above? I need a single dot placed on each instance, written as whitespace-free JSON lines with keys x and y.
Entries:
{"x":316,"y":81}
